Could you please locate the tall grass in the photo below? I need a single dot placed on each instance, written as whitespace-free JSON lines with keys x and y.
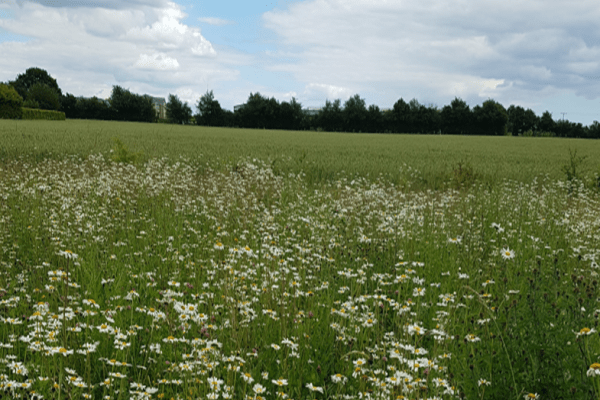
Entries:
{"x":318,"y":155}
{"x":168,"y":277}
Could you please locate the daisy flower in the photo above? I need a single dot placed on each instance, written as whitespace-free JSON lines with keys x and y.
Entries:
{"x":507,"y":254}
{"x":594,"y":370}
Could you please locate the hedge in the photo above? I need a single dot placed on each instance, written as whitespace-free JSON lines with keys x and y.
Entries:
{"x":31,"y":113}
{"x":10,"y":102}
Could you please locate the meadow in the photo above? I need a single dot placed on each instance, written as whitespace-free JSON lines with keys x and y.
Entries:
{"x":171,"y":262}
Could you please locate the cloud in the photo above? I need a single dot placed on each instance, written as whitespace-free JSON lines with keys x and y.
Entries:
{"x":157,"y":61}
{"x":216,"y":21}
{"x":331,"y":92}
{"x":435,"y":49}
{"x":147,"y":48}
{"x":111,"y":4}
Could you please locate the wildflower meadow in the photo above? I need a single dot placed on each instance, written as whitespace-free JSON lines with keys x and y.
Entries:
{"x":129,"y":276}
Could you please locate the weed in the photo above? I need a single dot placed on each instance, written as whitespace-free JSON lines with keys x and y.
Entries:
{"x":121,"y":154}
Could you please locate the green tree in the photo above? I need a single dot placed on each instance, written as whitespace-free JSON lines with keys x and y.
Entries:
{"x":547,"y":124}
{"x":210,"y":112}
{"x":330,"y":117}
{"x":69,"y":105}
{"x":93,"y":108}
{"x":33,"y":76}
{"x":127,"y":106}
{"x":258,"y":112}
{"x":11,"y":102}
{"x":354,"y":114}
{"x":374,"y":119}
{"x":290,"y":115}
{"x":46,"y":97}
{"x":401,"y":117}
{"x":456,"y":117}
{"x":490,"y":118}
{"x":178,"y":112}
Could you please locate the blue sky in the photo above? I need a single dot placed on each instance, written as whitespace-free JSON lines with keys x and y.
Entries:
{"x":540,"y":54}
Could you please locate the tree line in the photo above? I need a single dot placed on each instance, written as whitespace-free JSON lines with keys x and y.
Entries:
{"x":38,"y":89}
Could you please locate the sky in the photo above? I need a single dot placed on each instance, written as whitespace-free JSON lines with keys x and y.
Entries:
{"x":539,"y":54}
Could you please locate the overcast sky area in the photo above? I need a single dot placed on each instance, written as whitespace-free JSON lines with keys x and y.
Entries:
{"x":543,"y":55}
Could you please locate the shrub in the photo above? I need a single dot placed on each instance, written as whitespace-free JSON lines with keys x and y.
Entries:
{"x":10,"y":102}
{"x":463,"y":175}
{"x":121,"y":154}
{"x":30,"y":113}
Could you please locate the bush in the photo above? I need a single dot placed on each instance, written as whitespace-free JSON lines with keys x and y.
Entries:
{"x":121,"y":154}
{"x":30,"y":113}
{"x":10,"y":102}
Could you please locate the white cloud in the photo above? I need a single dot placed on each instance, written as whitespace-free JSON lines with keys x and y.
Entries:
{"x":114,"y":4}
{"x":331,"y":92}
{"x":157,"y":61}
{"x":146,"y":48}
{"x":215,"y":21}
{"x":169,"y":33}
{"x":436,"y":49}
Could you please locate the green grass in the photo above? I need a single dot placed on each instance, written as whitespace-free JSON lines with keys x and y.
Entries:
{"x":225,"y":273}
{"x":319,"y":155}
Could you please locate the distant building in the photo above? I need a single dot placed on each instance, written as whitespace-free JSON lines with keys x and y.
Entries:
{"x":160,"y":106}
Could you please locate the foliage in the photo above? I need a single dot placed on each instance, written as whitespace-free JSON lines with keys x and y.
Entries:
{"x":69,"y":105}
{"x":463,"y":175}
{"x":127,"y":106}
{"x":490,"y":118}
{"x":11,"y":102}
{"x":177,"y":111}
{"x":330,"y":117}
{"x":46,"y":97}
{"x":457,"y":118}
{"x":121,"y":154}
{"x":354,"y":114}
{"x":32,"y":76}
{"x":572,"y":169}
{"x":29,"y":103}
{"x":50,"y":115}
{"x":209,"y":111}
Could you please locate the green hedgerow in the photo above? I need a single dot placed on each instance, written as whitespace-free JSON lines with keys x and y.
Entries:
{"x":10,"y":102}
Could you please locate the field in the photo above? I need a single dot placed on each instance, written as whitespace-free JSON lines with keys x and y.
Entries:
{"x":319,"y":155}
{"x":168,"y":262}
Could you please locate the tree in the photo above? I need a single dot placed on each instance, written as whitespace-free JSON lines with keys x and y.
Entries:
{"x":46,"y":97}
{"x":11,"y":102}
{"x":290,"y":115}
{"x":401,"y":116}
{"x":355,"y":114}
{"x":209,"y":111}
{"x":547,"y":124}
{"x":490,"y":118}
{"x":93,"y":108}
{"x":258,"y":112}
{"x":127,"y":106}
{"x":31,"y":77}
{"x":177,"y":111}
{"x":456,"y":117}
{"x":69,"y":105}
{"x":374,"y":119}
{"x":330,"y":117}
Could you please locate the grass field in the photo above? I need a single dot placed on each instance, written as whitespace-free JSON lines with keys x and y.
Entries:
{"x":295,"y":265}
{"x":319,"y":155}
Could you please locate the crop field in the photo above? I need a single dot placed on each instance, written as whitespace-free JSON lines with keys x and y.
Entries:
{"x":171,"y":262}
